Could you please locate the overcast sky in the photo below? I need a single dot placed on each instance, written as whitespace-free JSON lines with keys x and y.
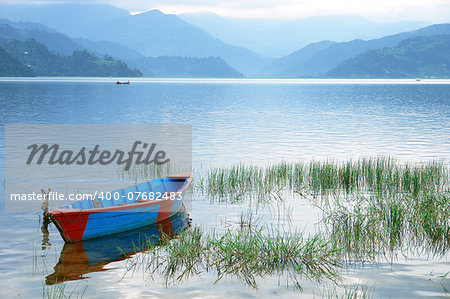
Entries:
{"x":387,"y":10}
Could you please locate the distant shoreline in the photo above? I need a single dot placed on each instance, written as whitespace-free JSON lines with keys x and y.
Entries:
{"x":226,"y":80}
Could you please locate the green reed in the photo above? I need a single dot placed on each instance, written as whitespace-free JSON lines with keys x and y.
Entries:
{"x":246,"y":253}
{"x":372,"y":225}
{"x":347,"y":291}
{"x":59,"y":291}
{"x":371,"y":206}
{"x":381,"y":175}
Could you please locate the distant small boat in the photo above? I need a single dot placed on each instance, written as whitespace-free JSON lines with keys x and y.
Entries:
{"x":122,"y":210}
{"x":123,"y":82}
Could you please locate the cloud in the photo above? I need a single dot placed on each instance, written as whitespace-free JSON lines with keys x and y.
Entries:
{"x":431,"y":10}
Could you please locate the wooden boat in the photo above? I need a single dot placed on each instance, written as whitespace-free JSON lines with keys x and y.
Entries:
{"x":78,"y":259}
{"x":123,"y":82}
{"x":121,"y":210}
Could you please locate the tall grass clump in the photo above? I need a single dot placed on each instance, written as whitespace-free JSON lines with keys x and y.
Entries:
{"x":245,"y":253}
{"x":381,"y":175}
{"x":375,"y":225}
{"x":370,"y":205}
{"x":241,"y":179}
{"x":248,"y":254}
{"x":59,"y":291}
{"x":348,"y":291}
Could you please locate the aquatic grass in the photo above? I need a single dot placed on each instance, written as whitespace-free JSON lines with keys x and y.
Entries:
{"x":430,"y":216}
{"x":184,"y":260}
{"x":347,"y":291}
{"x":59,"y":291}
{"x":184,"y":255}
{"x":371,"y":206}
{"x":381,"y":175}
{"x":375,"y":225}
{"x":245,"y":253}
{"x":248,"y":221}
{"x":248,"y":254}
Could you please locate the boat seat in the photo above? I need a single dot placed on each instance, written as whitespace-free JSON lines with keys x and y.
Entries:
{"x":180,"y":177}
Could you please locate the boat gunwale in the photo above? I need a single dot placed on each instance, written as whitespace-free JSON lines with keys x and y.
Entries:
{"x":127,"y":206}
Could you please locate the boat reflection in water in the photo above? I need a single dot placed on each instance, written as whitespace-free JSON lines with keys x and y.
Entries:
{"x":80,"y":258}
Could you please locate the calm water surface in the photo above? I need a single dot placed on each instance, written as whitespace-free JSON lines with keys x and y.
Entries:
{"x":249,"y":121}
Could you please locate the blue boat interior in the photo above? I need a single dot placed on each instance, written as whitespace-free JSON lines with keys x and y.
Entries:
{"x":149,"y":190}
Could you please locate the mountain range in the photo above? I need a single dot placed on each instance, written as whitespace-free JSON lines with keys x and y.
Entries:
{"x":276,"y":38}
{"x":317,"y":59}
{"x":161,"y":44}
{"x":64,"y":45}
{"x":413,"y":57}
{"x":10,"y":66}
{"x":43,"y":62}
{"x":187,"y":67}
{"x":151,"y":33}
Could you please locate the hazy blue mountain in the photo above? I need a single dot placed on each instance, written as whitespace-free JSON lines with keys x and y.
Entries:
{"x":62,"y":43}
{"x":80,"y":63}
{"x":115,"y":50}
{"x":175,"y":66}
{"x":295,"y":58}
{"x":76,"y":20}
{"x":26,"y":25}
{"x":423,"y":56}
{"x":37,"y":56}
{"x":10,"y":66}
{"x":46,"y":64}
{"x":104,"y":29}
{"x":53,"y":40}
{"x":328,"y":58}
{"x":275,"y":38}
{"x":157,"y":34}
{"x":152,"y":33}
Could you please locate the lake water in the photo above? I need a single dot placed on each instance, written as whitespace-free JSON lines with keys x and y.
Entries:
{"x":233,"y":121}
